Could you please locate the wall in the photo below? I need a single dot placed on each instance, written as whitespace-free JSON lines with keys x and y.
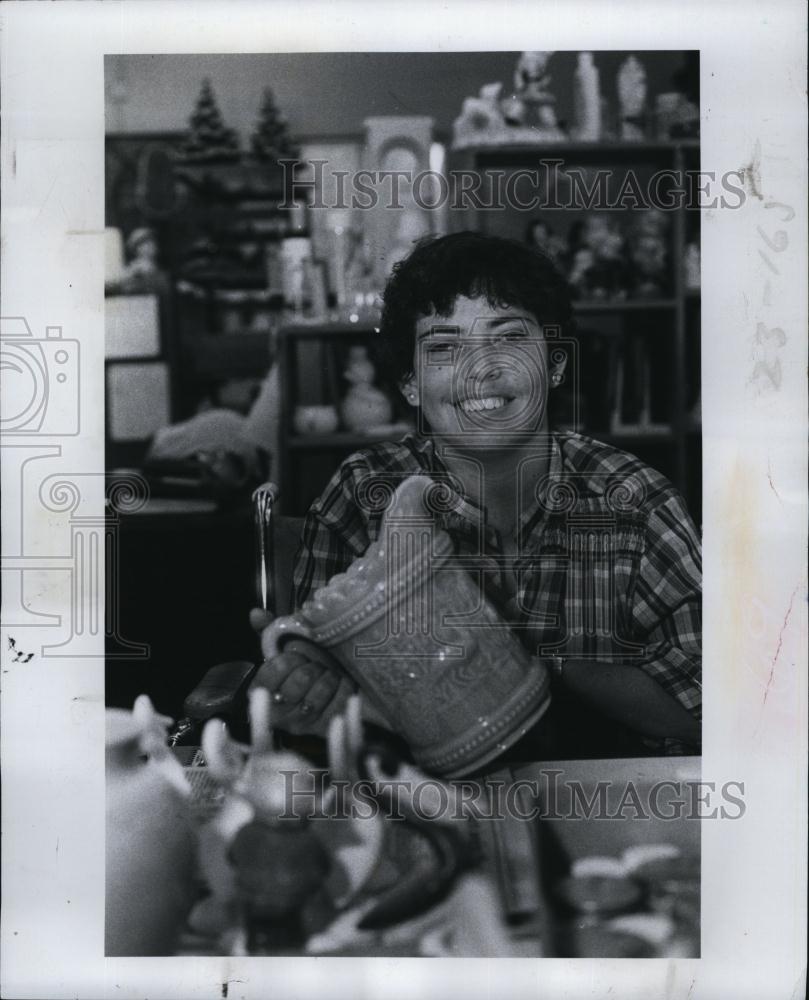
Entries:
{"x":331,"y":93}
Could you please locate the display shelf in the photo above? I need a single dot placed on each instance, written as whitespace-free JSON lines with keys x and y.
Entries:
{"x":234,"y":210}
{"x":572,"y":148}
{"x":341,"y":440}
{"x":312,"y":357}
{"x":623,"y":305}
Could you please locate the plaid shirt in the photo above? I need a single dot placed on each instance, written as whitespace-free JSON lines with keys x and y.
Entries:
{"x":608,"y":563}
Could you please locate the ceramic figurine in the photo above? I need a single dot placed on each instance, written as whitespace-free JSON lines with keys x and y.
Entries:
{"x":532,"y":82}
{"x":542,"y":236}
{"x":481,"y":119}
{"x":632,"y":99}
{"x":364,"y":406}
{"x":315,"y":419}
{"x":691,"y":267}
{"x":419,"y":866}
{"x":599,"y":268}
{"x":648,"y":253}
{"x":587,"y":99}
{"x":264,"y":865}
{"x":150,"y":839}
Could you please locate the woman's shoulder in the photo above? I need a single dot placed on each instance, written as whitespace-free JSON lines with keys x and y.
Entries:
{"x":410,"y":455}
{"x":382,"y":465}
{"x":604,"y":467}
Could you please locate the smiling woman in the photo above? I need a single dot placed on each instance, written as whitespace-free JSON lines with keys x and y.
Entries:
{"x":588,"y":555}
{"x":481,"y":359}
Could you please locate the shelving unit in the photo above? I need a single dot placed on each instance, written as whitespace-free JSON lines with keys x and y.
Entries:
{"x":668,"y":327}
{"x":227,"y":316}
{"x":311,"y":360}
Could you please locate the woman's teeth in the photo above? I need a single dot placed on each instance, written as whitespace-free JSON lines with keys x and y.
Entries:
{"x":489,"y":403}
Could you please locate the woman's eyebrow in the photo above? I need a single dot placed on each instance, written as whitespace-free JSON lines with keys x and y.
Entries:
{"x":505,"y":320}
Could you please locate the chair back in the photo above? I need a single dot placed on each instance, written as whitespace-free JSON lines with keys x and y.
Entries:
{"x":286,"y":539}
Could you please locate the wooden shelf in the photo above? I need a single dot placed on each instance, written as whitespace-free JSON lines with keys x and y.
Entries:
{"x":624,"y":305}
{"x":319,"y":330}
{"x":516,"y":154}
{"x":339,"y":440}
{"x":237,"y":354}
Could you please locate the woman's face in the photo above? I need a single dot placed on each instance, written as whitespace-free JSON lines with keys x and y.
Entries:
{"x":481,"y":374}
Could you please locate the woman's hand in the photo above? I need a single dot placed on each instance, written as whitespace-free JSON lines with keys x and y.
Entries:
{"x":260,"y":619}
{"x":306,"y":684}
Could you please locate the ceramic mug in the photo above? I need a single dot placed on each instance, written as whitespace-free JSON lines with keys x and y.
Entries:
{"x":413,"y":629}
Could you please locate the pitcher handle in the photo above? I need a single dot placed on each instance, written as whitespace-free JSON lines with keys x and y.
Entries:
{"x":279,"y":632}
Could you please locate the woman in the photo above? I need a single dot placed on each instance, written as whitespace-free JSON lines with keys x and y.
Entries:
{"x":588,"y":553}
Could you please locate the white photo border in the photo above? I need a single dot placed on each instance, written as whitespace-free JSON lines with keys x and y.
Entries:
{"x":753,"y":80}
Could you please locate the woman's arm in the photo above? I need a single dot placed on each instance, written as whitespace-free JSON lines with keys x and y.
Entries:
{"x":632,"y":697}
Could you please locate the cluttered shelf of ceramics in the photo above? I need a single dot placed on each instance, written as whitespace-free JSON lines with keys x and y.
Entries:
{"x":249,"y":848}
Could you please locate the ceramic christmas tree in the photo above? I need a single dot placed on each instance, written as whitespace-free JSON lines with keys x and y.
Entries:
{"x":271,"y":140}
{"x":209,"y":139}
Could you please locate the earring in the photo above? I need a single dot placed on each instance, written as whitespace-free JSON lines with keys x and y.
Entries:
{"x":411,"y":396}
{"x":556,"y":378}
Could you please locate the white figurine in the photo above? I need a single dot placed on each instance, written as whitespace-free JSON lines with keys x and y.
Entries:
{"x":632,"y":99}
{"x":364,"y":406}
{"x":480,"y":120}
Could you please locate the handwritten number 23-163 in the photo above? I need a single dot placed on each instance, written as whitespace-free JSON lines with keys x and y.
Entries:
{"x":768,"y":341}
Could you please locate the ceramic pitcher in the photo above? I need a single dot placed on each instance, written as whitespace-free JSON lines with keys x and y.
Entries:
{"x":412,"y":627}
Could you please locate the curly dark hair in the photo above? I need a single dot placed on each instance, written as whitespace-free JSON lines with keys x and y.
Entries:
{"x":440,"y":269}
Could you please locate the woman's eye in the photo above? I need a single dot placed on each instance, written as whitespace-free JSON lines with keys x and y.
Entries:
{"x":511,"y":335}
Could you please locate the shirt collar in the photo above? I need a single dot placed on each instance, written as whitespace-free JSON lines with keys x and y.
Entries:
{"x":464,"y":507}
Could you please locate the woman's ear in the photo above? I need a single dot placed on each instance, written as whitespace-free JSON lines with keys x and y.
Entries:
{"x":409,"y":389}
